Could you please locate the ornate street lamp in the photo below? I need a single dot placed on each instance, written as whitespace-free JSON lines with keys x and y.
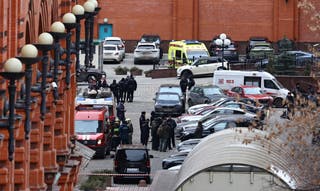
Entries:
{"x":89,"y":9}
{"x":45,"y":44}
{"x":223,"y":42}
{"x":12,"y":72}
{"x":69,"y":21}
{"x":92,"y":46}
{"x":58,"y":32}
{"x":78,"y":11}
{"x":29,"y":56}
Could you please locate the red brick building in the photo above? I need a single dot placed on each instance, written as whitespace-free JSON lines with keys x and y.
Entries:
{"x":203,"y":19}
{"x":45,"y":161}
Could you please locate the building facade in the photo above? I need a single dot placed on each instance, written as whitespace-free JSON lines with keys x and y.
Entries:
{"x":44,"y":161}
{"x":204,"y":19}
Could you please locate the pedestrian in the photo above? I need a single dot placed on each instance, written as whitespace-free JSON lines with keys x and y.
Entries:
{"x":191,"y":82}
{"x":122,"y":87}
{"x":163,"y":133}
{"x":155,"y":124}
{"x":114,"y":87}
{"x":93,"y":85}
{"x":102,"y":83}
{"x":130,"y":130}
{"x":184,"y":86}
{"x":126,"y":89}
{"x":121,"y":111}
{"x":132,"y":86}
{"x":172,"y":126}
{"x":144,"y":133}
{"x":199,"y":130}
{"x":124,"y":132}
{"x":115,"y":140}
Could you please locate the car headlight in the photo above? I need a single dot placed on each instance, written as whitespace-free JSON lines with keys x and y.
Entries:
{"x":99,"y":142}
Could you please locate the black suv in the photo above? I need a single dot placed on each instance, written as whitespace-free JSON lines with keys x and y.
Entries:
{"x":133,"y":161}
{"x":84,"y":74}
{"x":153,"y":38}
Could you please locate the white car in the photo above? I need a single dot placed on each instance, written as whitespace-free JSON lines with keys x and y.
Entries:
{"x":146,"y":53}
{"x":202,"y":67}
{"x":117,"y":41}
{"x":111,"y":53}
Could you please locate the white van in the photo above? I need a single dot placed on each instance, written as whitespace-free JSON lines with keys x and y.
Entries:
{"x":227,"y":79}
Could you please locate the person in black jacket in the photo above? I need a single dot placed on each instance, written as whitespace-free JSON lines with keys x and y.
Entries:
{"x":132,"y":86}
{"x":102,"y":83}
{"x":121,"y":111}
{"x":172,"y":126}
{"x":183,"y":84}
{"x":144,"y":128}
{"x":114,"y":87}
{"x":122,"y":89}
{"x":191,"y":82}
{"x":126,"y":90}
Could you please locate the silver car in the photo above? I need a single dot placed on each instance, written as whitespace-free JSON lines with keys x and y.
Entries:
{"x":204,"y":94}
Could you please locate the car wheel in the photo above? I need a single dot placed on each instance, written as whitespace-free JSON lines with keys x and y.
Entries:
{"x":186,"y":74}
{"x":278,"y":102}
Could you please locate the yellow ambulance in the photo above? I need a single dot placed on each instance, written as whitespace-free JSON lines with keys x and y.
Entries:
{"x":185,"y":52}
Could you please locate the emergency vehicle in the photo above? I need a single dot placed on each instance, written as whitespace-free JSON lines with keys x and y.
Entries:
{"x":185,"y":52}
{"x":91,"y":123}
{"x":227,"y":79}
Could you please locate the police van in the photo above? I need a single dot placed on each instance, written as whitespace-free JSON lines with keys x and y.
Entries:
{"x":185,"y":52}
{"x":227,"y":79}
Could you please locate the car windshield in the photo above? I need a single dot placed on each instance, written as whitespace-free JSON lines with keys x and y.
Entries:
{"x":168,"y":97}
{"x":109,"y":48}
{"x":252,"y":90}
{"x":146,"y":47}
{"x":116,"y":42}
{"x":131,"y":155}
{"x":171,"y":90}
{"x":150,"y":39}
{"x":88,"y":126}
{"x":196,"y":54}
{"x":212,"y":91}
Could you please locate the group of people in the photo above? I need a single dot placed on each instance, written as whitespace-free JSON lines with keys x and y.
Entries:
{"x":124,"y":90}
{"x":120,"y":132}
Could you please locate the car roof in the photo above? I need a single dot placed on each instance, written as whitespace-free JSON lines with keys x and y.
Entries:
{"x":247,"y":86}
{"x":258,"y":38}
{"x":169,"y":85}
{"x":172,"y":93}
{"x":133,"y":146}
{"x":112,"y":38}
{"x":207,"y":85}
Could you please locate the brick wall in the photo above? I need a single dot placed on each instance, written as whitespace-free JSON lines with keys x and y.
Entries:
{"x":39,"y":159}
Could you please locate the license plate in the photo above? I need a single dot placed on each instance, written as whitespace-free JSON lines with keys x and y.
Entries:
{"x":132,"y":170}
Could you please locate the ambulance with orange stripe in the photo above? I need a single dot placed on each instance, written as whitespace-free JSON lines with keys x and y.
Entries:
{"x":185,"y":52}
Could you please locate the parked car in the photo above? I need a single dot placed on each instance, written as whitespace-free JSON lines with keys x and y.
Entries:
{"x":146,"y":52}
{"x":204,"y":94}
{"x":188,"y":145}
{"x":296,"y":57}
{"x":254,"y":40}
{"x":112,"y":53}
{"x":131,"y":159}
{"x":220,"y":123}
{"x":85,"y":74}
{"x":174,"y":88}
{"x":168,"y":103}
{"x":155,"y":39}
{"x":117,"y":41}
{"x":230,"y":53}
{"x":202,"y":67}
{"x":174,"y":160}
{"x":261,"y":51}
{"x":251,"y":92}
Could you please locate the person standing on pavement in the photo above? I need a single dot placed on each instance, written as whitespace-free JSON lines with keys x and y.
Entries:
{"x":172,"y":126}
{"x":184,"y":86}
{"x":121,"y":111}
{"x":124,"y":132}
{"x":126,"y":90}
{"x":114,"y":87}
{"x":122,"y":89}
{"x":163,"y":133}
{"x":132,"y":86}
{"x":144,"y":133}
{"x":130,"y":130}
{"x":198,"y":131}
{"x":155,"y":124}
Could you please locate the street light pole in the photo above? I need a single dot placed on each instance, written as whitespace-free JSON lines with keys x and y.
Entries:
{"x":223,"y":42}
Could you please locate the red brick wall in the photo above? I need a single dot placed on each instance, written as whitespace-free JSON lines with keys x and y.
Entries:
{"x":203,"y":19}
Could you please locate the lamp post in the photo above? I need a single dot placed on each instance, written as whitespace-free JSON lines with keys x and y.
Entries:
{"x":12,"y":72}
{"x":89,"y":9}
{"x":92,"y":47}
{"x":223,"y":42}
{"x":58,"y":32}
{"x":78,"y":11}
{"x":45,"y":44}
{"x":69,"y":21}
{"x":28,"y":57}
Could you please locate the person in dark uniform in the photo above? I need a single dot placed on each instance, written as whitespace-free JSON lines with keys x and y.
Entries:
{"x":102,"y":83}
{"x":143,"y":122}
{"x":184,"y":86}
{"x":114,"y":87}
{"x":126,"y":89}
{"x":132,"y":86}
{"x":172,"y":126}
{"x":154,"y":133}
{"x":199,"y":130}
{"x":191,"y":82}
{"x":121,"y":111}
{"x":124,"y":132}
{"x":122,"y":89}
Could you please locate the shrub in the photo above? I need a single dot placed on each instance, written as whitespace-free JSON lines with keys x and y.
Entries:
{"x":121,"y":70}
{"x":97,"y":182}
